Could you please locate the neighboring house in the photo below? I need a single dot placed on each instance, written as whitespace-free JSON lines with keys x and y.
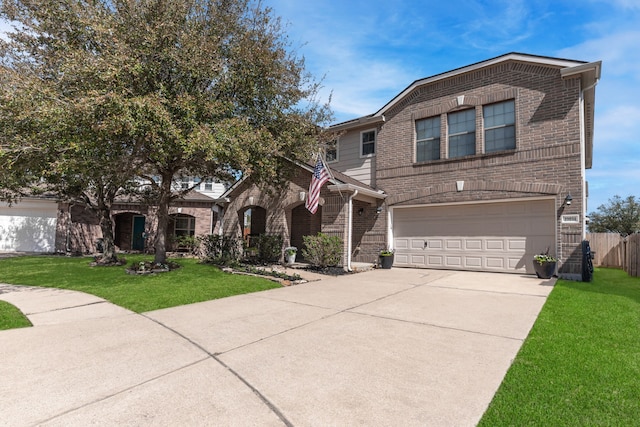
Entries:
{"x":470,"y":169}
{"x":46,"y":225}
{"x":28,"y":226}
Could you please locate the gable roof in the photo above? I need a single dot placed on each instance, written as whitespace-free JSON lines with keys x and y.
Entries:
{"x":589,"y":73}
{"x":338,"y":182}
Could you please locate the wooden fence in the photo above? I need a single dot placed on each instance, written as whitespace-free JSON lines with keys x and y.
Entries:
{"x":612,"y":250}
{"x":632,"y":264}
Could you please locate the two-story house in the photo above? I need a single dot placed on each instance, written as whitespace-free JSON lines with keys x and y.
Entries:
{"x":478,"y":168}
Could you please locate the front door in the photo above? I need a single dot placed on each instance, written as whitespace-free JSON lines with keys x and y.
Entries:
{"x":137,"y":243}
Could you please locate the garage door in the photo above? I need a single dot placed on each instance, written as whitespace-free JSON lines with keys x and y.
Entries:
{"x":501,"y":237}
{"x":28,"y":226}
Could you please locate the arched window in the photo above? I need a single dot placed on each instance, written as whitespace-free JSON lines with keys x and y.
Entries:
{"x":182,"y":225}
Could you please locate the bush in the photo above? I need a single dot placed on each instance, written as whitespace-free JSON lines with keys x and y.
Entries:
{"x":269,"y":247}
{"x":220,"y":250}
{"x":188,"y":243}
{"x":322,"y":250}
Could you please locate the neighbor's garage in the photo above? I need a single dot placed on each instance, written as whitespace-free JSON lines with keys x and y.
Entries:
{"x":28,"y":226}
{"x":501,"y":237}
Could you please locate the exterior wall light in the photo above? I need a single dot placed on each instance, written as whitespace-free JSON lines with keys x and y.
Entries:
{"x":567,"y":200}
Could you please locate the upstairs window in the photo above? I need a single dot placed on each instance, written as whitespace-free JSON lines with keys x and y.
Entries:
{"x":368,"y":143}
{"x":428,"y":139}
{"x":208,"y":184}
{"x":462,"y":133}
{"x":184,"y":182}
{"x":332,"y":152}
{"x":499,"y":126}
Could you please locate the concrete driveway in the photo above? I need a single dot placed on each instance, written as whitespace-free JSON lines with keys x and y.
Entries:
{"x":385,"y":347}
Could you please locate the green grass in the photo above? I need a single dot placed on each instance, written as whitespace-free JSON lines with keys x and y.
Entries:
{"x":193,"y":282}
{"x":11,"y":317}
{"x":580,"y":365}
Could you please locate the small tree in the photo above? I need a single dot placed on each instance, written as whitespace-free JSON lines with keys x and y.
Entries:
{"x":617,"y":216}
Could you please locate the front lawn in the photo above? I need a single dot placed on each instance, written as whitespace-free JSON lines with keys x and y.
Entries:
{"x":11,"y":317}
{"x":580,"y":364}
{"x":193,"y":282}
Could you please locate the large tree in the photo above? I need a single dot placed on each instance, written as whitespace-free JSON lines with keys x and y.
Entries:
{"x":65,"y":119}
{"x":617,"y":216}
{"x":207,"y":88}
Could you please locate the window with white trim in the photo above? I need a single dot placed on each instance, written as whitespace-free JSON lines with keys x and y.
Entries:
{"x":499,"y":126}
{"x":428,"y":139}
{"x":184,"y":182}
{"x":462,"y":133}
{"x":332,"y":152}
{"x":367,"y":143}
{"x":207,"y":184}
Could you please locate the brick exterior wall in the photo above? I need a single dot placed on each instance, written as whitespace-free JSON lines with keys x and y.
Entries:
{"x":285,"y":211}
{"x":546,"y":161}
{"x":78,"y":229}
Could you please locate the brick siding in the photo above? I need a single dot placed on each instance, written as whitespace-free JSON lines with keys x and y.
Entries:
{"x":546,"y":161}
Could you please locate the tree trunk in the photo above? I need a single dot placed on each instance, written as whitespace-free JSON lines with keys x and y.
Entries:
{"x":164,"y":200}
{"x":109,"y":248}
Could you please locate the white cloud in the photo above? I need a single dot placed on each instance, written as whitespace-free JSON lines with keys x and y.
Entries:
{"x":619,"y":52}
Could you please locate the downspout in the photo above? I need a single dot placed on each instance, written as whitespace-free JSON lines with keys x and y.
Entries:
{"x":583,"y":154}
{"x":350,"y":228}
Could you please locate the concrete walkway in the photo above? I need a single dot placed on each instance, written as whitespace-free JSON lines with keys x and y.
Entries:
{"x":385,"y":347}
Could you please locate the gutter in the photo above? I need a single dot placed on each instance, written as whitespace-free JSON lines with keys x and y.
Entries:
{"x":363,"y":191}
{"x":362,"y":121}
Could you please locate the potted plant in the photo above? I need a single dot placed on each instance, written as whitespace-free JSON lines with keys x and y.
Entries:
{"x":544,"y":265}
{"x":386,"y":259}
{"x":290,"y":254}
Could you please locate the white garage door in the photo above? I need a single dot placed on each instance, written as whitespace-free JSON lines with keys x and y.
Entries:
{"x":500,"y":237}
{"x":28,"y":226}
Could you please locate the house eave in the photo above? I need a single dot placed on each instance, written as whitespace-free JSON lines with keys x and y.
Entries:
{"x":589,"y":74}
{"x":350,"y":188}
{"x":357,"y":123}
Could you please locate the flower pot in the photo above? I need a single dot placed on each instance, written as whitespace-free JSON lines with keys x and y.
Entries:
{"x":386,"y":261}
{"x":544,"y":270}
{"x":291,"y":258}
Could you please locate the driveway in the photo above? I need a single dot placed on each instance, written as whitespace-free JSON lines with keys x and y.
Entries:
{"x":384,"y":347}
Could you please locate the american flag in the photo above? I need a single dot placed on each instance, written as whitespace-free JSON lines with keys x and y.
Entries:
{"x":319,"y":177}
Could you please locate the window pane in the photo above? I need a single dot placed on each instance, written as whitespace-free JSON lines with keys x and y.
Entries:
{"x":368,"y":142}
{"x":428,"y":150}
{"x":332,"y":153}
{"x":499,"y":139}
{"x":184,"y":225}
{"x":462,"y":121}
{"x":428,"y":139}
{"x":499,"y":124}
{"x":462,"y":133}
{"x":428,"y":128}
{"x":462,"y":145}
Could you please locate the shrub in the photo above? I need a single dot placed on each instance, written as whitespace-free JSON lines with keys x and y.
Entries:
{"x":269,"y":247}
{"x":220,"y":250}
{"x":188,"y":243}
{"x":322,"y":250}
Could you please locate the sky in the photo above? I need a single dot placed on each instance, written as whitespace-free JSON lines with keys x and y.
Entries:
{"x":368,"y":51}
{"x":365,"y":52}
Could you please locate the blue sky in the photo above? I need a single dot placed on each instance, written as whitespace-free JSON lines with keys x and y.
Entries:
{"x":369,"y":51}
